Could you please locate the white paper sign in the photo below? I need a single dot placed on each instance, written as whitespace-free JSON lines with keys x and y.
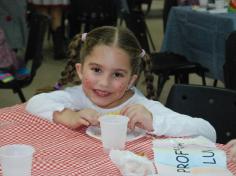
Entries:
{"x":187,"y":157}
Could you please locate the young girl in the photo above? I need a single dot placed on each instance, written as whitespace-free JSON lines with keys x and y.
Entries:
{"x":109,"y":60}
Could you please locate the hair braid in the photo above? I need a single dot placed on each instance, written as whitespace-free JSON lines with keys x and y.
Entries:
{"x":69,"y":73}
{"x":149,"y":78}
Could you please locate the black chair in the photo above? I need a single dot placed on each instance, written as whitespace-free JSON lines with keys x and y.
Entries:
{"x":230,"y":62}
{"x":136,"y":5}
{"x":135,"y":21}
{"x":214,"y":104}
{"x":164,"y":64}
{"x":87,"y":15}
{"x":37,"y":29}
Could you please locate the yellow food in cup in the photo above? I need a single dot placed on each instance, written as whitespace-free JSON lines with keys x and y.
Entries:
{"x":113,"y":113}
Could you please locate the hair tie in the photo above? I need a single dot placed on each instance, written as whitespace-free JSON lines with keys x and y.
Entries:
{"x":142,"y":53}
{"x":57,"y":86}
{"x":84,"y":35}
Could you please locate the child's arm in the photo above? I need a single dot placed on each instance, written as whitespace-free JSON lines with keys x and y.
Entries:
{"x":45,"y":104}
{"x":170,"y":123}
{"x":74,"y":119}
{"x":232,"y":153}
{"x":164,"y":121}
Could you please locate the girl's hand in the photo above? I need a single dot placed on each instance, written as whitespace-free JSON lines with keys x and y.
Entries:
{"x":74,"y":119}
{"x":138,"y":116}
{"x":232,"y":152}
{"x":90,"y":115}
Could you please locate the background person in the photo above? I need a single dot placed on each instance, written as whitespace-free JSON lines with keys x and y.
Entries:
{"x":13,"y":22}
{"x":54,"y":9}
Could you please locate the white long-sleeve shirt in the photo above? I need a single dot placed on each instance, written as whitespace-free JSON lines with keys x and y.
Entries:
{"x":165,"y":121}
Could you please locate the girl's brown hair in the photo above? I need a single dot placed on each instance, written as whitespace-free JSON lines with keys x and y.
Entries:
{"x":80,"y":47}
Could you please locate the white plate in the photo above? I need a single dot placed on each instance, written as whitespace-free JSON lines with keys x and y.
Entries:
{"x":95,"y":132}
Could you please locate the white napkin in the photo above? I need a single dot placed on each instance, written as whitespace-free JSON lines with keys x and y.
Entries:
{"x":131,"y":164}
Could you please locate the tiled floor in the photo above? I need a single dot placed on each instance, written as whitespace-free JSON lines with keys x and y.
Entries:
{"x":50,"y":70}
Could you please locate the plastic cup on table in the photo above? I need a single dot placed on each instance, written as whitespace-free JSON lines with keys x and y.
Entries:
{"x":113,"y":132}
{"x":219,"y":4}
{"x":16,"y":159}
{"x":203,"y":3}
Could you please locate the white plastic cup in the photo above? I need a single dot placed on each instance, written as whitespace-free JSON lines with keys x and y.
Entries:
{"x":113,"y":131}
{"x":16,"y":159}
{"x":219,"y":4}
{"x":203,"y":3}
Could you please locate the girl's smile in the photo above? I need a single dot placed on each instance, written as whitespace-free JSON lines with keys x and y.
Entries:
{"x":101,"y":93}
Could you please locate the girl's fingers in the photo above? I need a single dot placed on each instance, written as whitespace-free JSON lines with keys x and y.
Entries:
{"x":125,"y":110}
{"x":130,"y":114}
{"x":93,"y":120}
{"x":139,"y":125}
{"x":132,"y":121}
{"x":231,"y":143}
{"x":233,"y":159}
{"x":131,"y":125}
{"x":128,"y":108}
{"x":55,"y":116}
{"x":91,"y":117}
{"x":84,"y":122}
{"x":57,"y":113}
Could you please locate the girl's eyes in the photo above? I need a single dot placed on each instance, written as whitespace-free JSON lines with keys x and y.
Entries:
{"x":96,"y":69}
{"x":117,"y":75}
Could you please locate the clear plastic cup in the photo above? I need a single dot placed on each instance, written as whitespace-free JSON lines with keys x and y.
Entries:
{"x":16,"y":159}
{"x":113,"y":131}
{"x":203,"y":3}
{"x":219,"y":4}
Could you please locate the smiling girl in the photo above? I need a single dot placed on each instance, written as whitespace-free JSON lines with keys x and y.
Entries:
{"x":108,"y":61}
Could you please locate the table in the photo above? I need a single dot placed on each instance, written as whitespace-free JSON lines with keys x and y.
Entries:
{"x":61,"y":151}
{"x":200,"y":36}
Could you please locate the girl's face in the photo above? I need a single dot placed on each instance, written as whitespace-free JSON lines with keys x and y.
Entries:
{"x":106,"y":76}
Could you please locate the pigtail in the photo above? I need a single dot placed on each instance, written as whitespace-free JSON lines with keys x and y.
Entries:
{"x":68,"y":75}
{"x":149,"y":78}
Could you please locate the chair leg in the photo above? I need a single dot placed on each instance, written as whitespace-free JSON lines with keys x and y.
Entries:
{"x":215,"y":83}
{"x":204,"y":81}
{"x":20,"y":94}
{"x":176,"y":78}
{"x":148,"y":8}
{"x":203,"y":78}
{"x":162,"y":78}
{"x":183,"y":78}
{"x":150,"y":38}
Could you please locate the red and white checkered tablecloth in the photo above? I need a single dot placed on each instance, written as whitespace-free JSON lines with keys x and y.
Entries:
{"x":61,"y":151}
